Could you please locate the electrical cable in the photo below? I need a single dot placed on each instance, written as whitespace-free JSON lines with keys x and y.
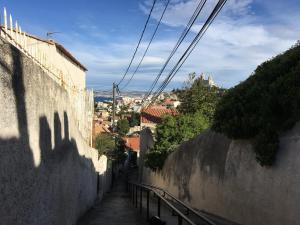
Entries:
{"x":180,"y":40}
{"x":139,"y":42}
{"x":155,"y":31}
{"x":189,"y":50}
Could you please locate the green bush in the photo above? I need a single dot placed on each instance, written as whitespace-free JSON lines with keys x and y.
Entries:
{"x":197,"y":97}
{"x":264,"y":105}
{"x":104,"y":143}
{"x":123,"y":127}
{"x":170,"y":133}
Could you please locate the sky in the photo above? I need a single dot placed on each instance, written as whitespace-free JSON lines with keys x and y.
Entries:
{"x":102,"y":34}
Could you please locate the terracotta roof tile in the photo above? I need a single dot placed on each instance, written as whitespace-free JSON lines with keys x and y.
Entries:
{"x":155,"y":114}
{"x":133,"y":143}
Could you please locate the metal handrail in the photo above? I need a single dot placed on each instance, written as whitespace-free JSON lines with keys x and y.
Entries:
{"x":134,"y":194}
{"x":188,"y":208}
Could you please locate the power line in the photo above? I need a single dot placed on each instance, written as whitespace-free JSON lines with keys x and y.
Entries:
{"x":139,"y":42}
{"x":182,"y":60}
{"x":178,"y":65}
{"x":189,"y":50}
{"x":155,"y":31}
{"x":180,"y":40}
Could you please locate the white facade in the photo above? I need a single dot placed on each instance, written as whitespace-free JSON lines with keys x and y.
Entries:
{"x":209,"y":82}
{"x":71,"y":72}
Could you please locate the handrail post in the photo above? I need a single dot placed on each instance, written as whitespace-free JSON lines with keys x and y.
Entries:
{"x":136,"y":196}
{"x":132,"y":191}
{"x":158,"y":206}
{"x":148,"y":193}
{"x":141,"y":199}
{"x":179,"y":220}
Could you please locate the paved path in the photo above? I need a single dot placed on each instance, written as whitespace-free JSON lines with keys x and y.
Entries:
{"x":114,"y":209}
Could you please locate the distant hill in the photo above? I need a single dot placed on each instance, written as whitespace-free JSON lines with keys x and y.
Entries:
{"x":125,"y":93}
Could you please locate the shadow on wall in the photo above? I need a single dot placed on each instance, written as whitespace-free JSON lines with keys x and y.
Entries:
{"x":52,"y":192}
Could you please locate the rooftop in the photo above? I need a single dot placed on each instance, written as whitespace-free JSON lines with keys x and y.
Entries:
{"x":58,"y":46}
{"x":154,"y":114}
{"x":132,"y":143}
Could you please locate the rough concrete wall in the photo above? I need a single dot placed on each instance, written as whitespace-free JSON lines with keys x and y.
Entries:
{"x":82,"y":104}
{"x":48,"y":174}
{"x":146,"y":143}
{"x":221,"y":176}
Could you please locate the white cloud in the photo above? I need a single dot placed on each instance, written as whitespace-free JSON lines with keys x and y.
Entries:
{"x":233,"y":46}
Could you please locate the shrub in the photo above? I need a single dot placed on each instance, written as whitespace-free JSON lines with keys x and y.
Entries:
{"x":170,"y":133}
{"x":104,"y":143}
{"x":264,"y":105}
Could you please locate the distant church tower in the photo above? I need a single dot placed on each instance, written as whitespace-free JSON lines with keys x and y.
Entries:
{"x":202,"y":76}
{"x":209,"y":82}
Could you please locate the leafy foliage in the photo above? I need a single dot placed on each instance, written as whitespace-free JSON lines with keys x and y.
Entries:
{"x":264,"y":105}
{"x":134,"y":120}
{"x":104,"y":143}
{"x":119,"y":153}
{"x":198,"y":103}
{"x":170,"y":133}
{"x":122,"y":127}
{"x":198,"y":97}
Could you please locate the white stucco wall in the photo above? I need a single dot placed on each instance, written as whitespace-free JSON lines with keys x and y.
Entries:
{"x":69,"y":72}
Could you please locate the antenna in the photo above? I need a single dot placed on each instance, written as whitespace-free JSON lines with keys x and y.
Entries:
{"x":49,"y":34}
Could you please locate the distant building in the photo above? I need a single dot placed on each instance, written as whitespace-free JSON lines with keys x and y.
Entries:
{"x":137,"y":108}
{"x":132,"y":143}
{"x":170,"y":103}
{"x":152,"y":116}
{"x":135,"y":129}
{"x":99,"y":127}
{"x":104,"y":114}
{"x":209,"y":82}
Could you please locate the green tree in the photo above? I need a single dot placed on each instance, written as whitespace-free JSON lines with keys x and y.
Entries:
{"x":104,"y":143}
{"x":134,"y":119}
{"x":123,"y":127}
{"x":198,"y":104}
{"x":198,"y":97}
{"x":170,"y":133}
{"x":123,"y":111}
{"x":120,"y":150}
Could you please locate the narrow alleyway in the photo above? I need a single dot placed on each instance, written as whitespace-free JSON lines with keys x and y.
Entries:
{"x":114,"y":209}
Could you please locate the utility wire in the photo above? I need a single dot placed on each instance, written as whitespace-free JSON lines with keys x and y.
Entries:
{"x":192,"y":46}
{"x":139,"y":42}
{"x":176,"y":68}
{"x":155,"y":31}
{"x":180,"y":40}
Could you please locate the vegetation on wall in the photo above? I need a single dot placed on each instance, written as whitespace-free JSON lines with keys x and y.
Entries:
{"x":198,"y":97}
{"x":264,"y":105}
{"x":104,"y":143}
{"x":120,"y":150}
{"x":198,"y":103}
{"x":111,"y":146}
{"x":123,"y":127}
{"x":134,"y":119}
{"x":170,"y":133}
